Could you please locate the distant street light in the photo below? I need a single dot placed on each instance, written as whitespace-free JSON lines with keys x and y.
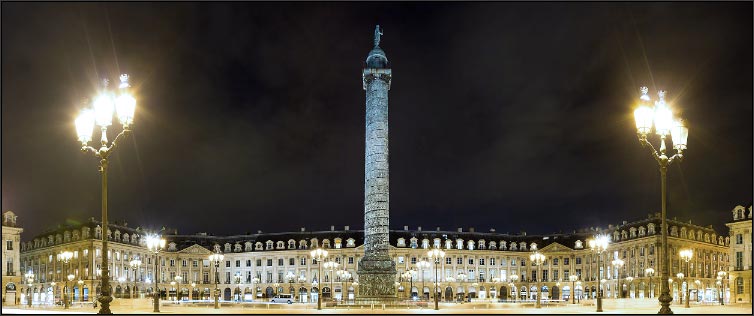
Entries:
{"x":331,"y":265}
{"x":135,"y":264}
{"x":65,"y":257}
{"x":599,"y":245}
{"x":664,"y":124}
{"x":216,"y":258}
{"x":438,"y":255}
{"x":318,"y":255}
{"x":573,"y":278}
{"x":155,"y":243}
{"x":513,"y":279}
{"x":686,"y":255}
{"x":105,"y":105}
{"x":29,"y":281}
{"x":422,"y":265}
{"x":618,"y":265}
{"x":650,"y":272}
{"x":722,"y":276}
{"x":538,"y":259}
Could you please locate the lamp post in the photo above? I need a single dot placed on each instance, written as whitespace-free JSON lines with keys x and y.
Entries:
{"x":422,"y":265}
{"x":237,"y":280}
{"x":599,"y":245}
{"x":680,"y":286}
{"x":343,"y":276}
{"x":495,"y":282}
{"x":578,"y":285}
{"x":331,"y":265}
{"x":573,"y":279}
{"x":135,"y":264}
{"x":65,"y":257}
{"x":698,"y":287}
{"x":650,"y":272}
{"x":254,"y":282}
{"x":629,"y":280}
{"x":319,"y":254}
{"x":722,"y":276}
{"x":408,"y":275}
{"x":437,"y":254}
{"x":664,"y":124}
{"x":29,"y":281}
{"x":686,"y":255}
{"x":719,"y":284}
{"x":513,"y":279}
{"x":81,"y":289}
{"x":216,"y":258}
{"x":537,"y":259}
{"x":178,"y":293}
{"x":155,"y":243}
{"x":193,"y":286}
{"x":121,"y":280}
{"x":69,"y":300}
{"x":54,"y":292}
{"x":104,"y":107}
{"x":617,"y":265}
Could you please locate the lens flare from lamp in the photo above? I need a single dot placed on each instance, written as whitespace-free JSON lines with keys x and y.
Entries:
{"x":125,"y":106}
{"x":680,"y":134}
{"x":643,"y":117}
{"x":103,"y":109}
{"x":85,"y":126}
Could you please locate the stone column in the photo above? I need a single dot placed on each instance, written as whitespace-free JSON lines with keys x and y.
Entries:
{"x":376,"y":270}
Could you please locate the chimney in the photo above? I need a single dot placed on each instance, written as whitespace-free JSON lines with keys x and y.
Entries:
{"x":460,"y":230}
{"x":405,"y":227}
{"x":332,"y":228}
{"x":419,"y":228}
{"x":259,"y":232}
{"x":347,"y":228}
{"x":303,"y":229}
{"x":471,"y":229}
{"x":438,"y":228}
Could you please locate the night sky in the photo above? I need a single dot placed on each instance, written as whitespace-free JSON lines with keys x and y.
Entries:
{"x":250,"y":116}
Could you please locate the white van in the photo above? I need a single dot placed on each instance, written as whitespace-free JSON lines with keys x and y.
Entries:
{"x":282,"y":298}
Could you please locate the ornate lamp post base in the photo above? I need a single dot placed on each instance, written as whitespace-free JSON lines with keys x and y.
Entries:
{"x":104,"y":301}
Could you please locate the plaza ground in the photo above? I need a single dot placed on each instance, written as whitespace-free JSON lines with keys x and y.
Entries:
{"x":610,"y":306}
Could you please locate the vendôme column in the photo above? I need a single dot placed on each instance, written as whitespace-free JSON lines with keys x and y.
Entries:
{"x":376,"y":270}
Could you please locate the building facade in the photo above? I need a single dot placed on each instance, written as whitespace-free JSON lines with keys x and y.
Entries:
{"x":739,"y":274}
{"x":11,"y":269}
{"x":477,"y":265}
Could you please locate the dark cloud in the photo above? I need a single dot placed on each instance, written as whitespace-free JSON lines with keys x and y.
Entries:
{"x":516,"y":116}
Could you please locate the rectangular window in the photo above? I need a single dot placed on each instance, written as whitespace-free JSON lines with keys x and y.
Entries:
{"x":448,"y":260}
{"x":9,"y":244}
{"x":184,"y":263}
{"x":350,"y":260}
{"x":739,"y":260}
{"x":281,"y":262}
{"x":565,"y":261}
{"x":578,"y":273}
{"x":205,"y":277}
{"x":471,"y":261}
{"x":400,"y":259}
{"x":205,"y":262}
{"x":492,"y":261}
{"x":292,"y":261}
{"x":513,"y":262}
{"x":227,"y":277}
{"x":555,"y":261}
{"x":481,"y":261}
{"x":459,"y":260}
{"x":739,"y":239}
{"x":195,"y":263}
{"x":227,"y":263}
{"x":259,"y":262}
{"x":269,"y":262}
{"x":238,"y":263}
{"x":172,"y":261}
{"x":566,"y":274}
{"x":413,"y":260}
{"x":303,"y":261}
{"x":554,"y":274}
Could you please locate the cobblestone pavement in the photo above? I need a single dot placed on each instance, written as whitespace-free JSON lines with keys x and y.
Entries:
{"x":609,"y":307}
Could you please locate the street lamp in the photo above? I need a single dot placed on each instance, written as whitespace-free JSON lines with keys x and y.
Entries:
{"x":650,"y":272}
{"x":573,"y":279}
{"x":135,"y":264}
{"x":686,"y":255}
{"x":538,"y":259}
{"x":318,"y":255}
{"x":438,"y":255}
{"x":332,"y":265}
{"x":178,"y":280}
{"x":578,"y":286}
{"x":617,"y":265}
{"x":216,"y":258}
{"x":513,"y":279}
{"x":237,"y":280}
{"x":193,"y":286}
{"x":495,"y":282}
{"x":155,"y":243}
{"x":719,"y":284}
{"x":254,"y":282}
{"x":698,"y":287}
{"x":680,"y":285}
{"x":344,"y":276}
{"x":104,"y":107}
{"x":65,"y":257}
{"x":664,"y":124}
{"x":70,"y":298}
{"x":599,"y":245}
{"x":29,"y":280}
{"x":722,"y":276}
{"x":54,"y":291}
{"x":629,"y":280}
{"x":409,"y":274}
{"x":422,"y":265}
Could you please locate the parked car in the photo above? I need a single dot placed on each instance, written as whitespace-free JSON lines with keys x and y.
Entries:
{"x":282,"y":298}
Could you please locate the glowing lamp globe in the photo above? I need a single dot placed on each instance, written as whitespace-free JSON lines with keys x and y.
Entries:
{"x":680,"y":134}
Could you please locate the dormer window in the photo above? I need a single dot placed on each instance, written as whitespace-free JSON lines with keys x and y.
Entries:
{"x":513,"y":246}
{"x":642,"y":231}
{"x":227,"y":247}
{"x":493,"y":245}
{"x":533,"y":246}
{"x":280,"y":245}
{"x":302,"y":244}
{"x":503,"y":245}
{"x":126,"y":238}
{"x":338,"y":243}
{"x":448,"y":244}
{"x":401,"y":242}
{"x":470,"y":244}
{"x":482,"y":245}
{"x":291,"y":244}
{"x":414,"y":243}
{"x":172,"y":246}
{"x":326,"y":243}
{"x":258,"y":246}
{"x":237,"y":247}
{"x":579,"y":244}
{"x":425,"y":243}
{"x":314,"y":243}
{"x":268,"y":245}
{"x":437,"y":243}
{"x":350,"y":242}
{"x":522,"y":245}
{"x":247,"y":246}
{"x":651,"y":228}
{"x":459,"y":244}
